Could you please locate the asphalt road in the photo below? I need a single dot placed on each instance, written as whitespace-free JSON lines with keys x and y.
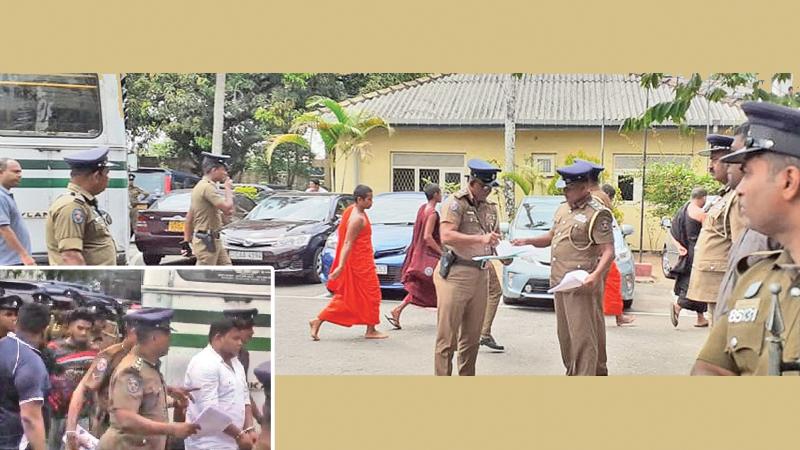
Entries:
{"x":651,"y":346}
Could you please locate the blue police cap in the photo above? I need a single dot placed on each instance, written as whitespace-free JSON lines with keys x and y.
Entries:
{"x":596,"y":168}
{"x":12,"y":302}
{"x":218,"y":159}
{"x":483,"y":171}
{"x":247,"y":315}
{"x":263,"y":373}
{"x":89,"y":159}
{"x":773,"y":128}
{"x":133,"y":316}
{"x":717,"y":143}
{"x":577,"y":171}
{"x":155,"y":318}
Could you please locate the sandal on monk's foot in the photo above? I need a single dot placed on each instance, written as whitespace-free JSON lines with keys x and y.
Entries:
{"x":394,"y":322}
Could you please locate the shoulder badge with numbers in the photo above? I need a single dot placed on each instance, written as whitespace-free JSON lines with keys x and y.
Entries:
{"x":78,"y":216}
{"x":134,"y":385}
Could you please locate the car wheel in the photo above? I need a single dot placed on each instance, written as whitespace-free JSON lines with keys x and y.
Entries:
{"x":626,"y":304}
{"x":665,"y":262}
{"x":151,"y":260}
{"x":315,"y":274}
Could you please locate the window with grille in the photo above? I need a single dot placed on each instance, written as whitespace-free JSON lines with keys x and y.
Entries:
{"x":412,"y":171}
{"x":544,"y":163}
{"x":628,"y":172}
{"x":403,"y":180}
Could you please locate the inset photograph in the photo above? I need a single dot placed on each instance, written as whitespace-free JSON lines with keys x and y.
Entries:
{"x":136,"y":358}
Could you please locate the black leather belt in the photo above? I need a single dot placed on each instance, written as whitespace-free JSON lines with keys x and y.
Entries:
{"x":213,"y":234}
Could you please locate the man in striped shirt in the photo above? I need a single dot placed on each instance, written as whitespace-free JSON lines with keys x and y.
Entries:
{"x":73,"y":354}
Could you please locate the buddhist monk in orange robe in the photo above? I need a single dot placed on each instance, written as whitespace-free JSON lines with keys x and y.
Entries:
{"x":353,"y":279}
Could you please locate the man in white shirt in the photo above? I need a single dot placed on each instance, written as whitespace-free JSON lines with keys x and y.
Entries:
{"x":221,"y":382}
{"x":314,"y":186}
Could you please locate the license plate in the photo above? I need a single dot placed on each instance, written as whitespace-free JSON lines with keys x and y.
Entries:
{"x":236,"y":254}
{"x":175,"y":226}
{"x":382,"y":269}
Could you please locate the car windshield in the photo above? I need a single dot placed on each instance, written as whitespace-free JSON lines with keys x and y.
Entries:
{"x":174,"y":202}
{"x":311,"y":208}
{"x":533,"y":215}
{"x":395,"y":209}
{"x":151,"y":182}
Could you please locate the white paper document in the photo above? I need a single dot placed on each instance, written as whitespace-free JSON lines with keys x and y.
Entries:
{"x":570,"y":281}
{"x":212,"y":420}
{"x":85,"y":439}
{"x":505,"y":250}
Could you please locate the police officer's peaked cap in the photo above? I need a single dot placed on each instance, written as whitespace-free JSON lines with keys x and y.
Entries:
{"x":717,"y":143}
{"x":596,"y":168}
{"x":483,"y":171}
{"x":218,"y":159}
{"x":263,"y":373}
{"x":100,"y":307}
{"x":577,"y":171}
{"x":134,"y":316}
{"x":12,"y":302}
{"x":155,"y":318}
{"x":773,"y":128}
{"x":89,"y":159}
{"x":246,"y":315}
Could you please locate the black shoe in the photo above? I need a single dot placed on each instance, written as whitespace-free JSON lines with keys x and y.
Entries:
{"x":490,"y":342}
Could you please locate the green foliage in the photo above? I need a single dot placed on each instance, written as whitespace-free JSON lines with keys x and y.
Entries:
{"x":580,"y":154}
{"x":170,"y":115}
{"x":669,"y":186}
{"x":447,"y":188}
{"x":713,"y":89}
{"x":248,"y":191}
{"x":527,"y":177}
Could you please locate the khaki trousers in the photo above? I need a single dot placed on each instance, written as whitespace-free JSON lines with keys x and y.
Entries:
{"x":581,"y":331}
{"x":219,"y":257}
{"x":495,"y":293}
{"x":460,"y":311}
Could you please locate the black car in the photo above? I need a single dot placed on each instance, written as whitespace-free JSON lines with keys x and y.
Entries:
{"x":287,"y":231}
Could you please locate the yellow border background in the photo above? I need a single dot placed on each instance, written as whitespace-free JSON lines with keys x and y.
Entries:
{"x":452,"y":36}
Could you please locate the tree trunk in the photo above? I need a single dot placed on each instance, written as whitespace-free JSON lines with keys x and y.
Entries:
{"x":510,"y":138}
{"x":219,"y":114}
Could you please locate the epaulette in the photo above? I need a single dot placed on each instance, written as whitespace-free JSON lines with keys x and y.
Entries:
{"x":461,"y":194}
{"x":747,"y":262}
{"x":77,"y":198}
{"x":597,"y":204}
{"x":138,"y":364}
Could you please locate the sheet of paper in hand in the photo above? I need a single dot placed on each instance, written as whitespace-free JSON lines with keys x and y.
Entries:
{"x":85,"y":439}
{"x":212,"y":420}
{"x":571,"y":280}
{"x":506,"y":250}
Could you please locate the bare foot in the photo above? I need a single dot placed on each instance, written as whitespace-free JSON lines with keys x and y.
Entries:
{"x":395,"y":319}
{"x":315,"y":324}
{"x":375,"y":334}
{"x":623,"y":319}
{"x":701,"y":323}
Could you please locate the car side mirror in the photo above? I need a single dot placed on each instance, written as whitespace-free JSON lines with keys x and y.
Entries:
{"x":666,"y":222}
{"x":626,"y":229}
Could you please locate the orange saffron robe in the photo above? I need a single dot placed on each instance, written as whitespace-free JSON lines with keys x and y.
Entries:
{"x":357,"y":292}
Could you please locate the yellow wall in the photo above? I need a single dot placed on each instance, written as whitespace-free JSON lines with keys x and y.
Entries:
{"x":488,"y":144}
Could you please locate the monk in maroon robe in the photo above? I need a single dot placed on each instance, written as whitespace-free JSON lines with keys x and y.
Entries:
{"x":422,"y":256}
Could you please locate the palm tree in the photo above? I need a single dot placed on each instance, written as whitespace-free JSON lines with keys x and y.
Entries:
{"x":344,"y":136}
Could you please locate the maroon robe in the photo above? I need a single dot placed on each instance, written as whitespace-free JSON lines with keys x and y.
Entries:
{"x":420,"y":262}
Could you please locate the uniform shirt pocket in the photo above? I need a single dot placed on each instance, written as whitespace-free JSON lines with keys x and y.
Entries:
{"x":579,"y":234}
{"x":745,"y":341}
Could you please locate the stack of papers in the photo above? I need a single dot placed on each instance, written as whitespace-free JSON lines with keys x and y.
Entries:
{"x":506,"y":250}
{"x":571,"y":280}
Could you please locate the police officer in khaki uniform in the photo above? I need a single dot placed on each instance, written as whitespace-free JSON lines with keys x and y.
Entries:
{"x":722,"y":226}
{"x":77,"y":232}
{"x":469,"y":228}
{"x":581,"y":239}
{"x":205,"y":217}
{"x":96,"y":381}
{"x":134,"y":194}
{"x":137,"y":395}
{"x":768,"y":289}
